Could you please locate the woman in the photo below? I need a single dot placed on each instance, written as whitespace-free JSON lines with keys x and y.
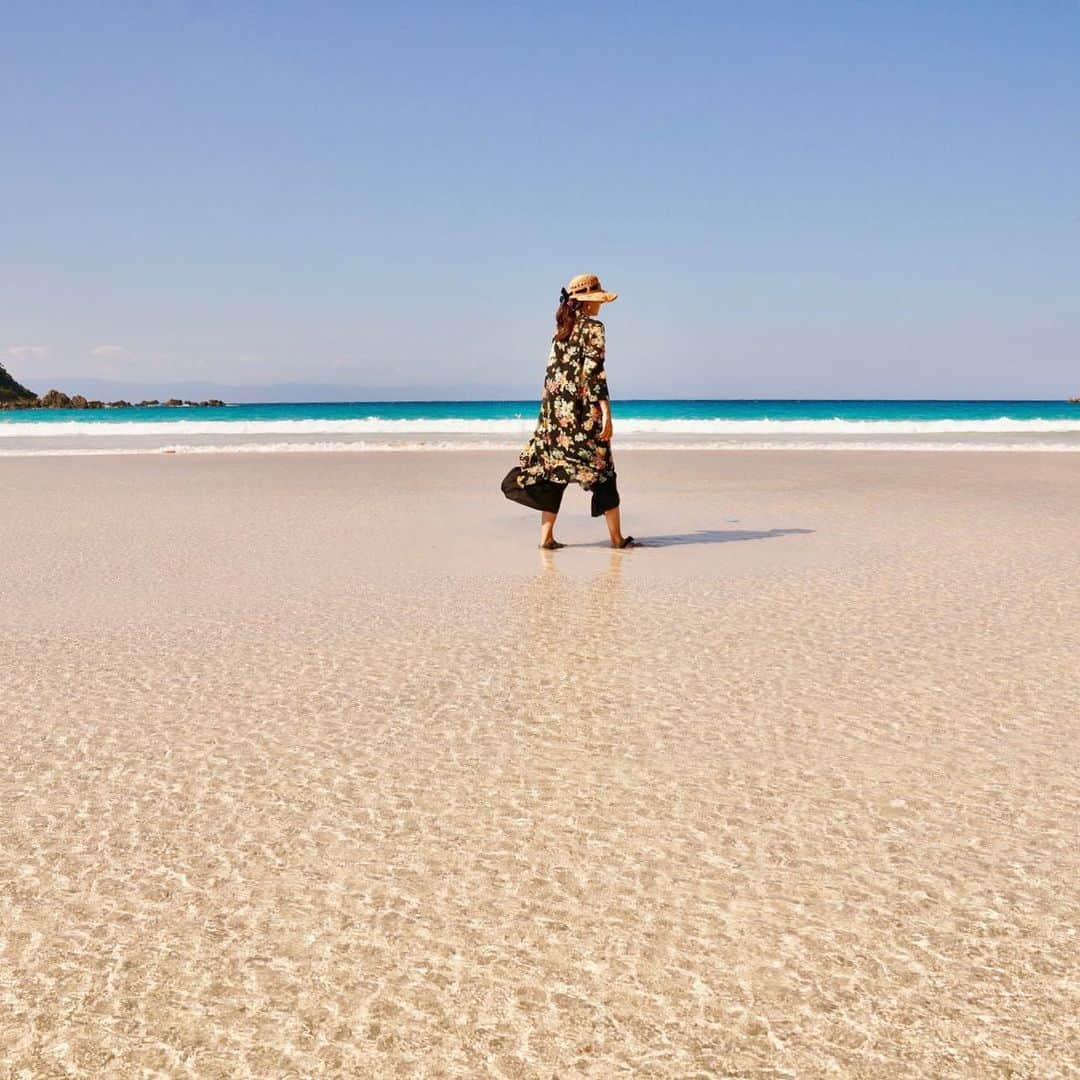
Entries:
{"x":572,"y":441}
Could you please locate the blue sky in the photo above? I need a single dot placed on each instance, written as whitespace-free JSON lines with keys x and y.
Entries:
{"x":841,"y":199}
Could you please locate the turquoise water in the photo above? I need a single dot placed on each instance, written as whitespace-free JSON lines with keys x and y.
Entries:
{"x":436,"y":425}
{"x":774,"y":410}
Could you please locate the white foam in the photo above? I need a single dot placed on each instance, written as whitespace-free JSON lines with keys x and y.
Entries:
{"x":376,"y":426}
{"x":429,"y":445}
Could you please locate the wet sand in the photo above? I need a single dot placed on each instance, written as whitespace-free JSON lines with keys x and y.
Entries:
{"x":312,"y":765}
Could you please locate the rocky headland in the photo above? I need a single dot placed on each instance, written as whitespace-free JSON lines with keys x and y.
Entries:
{"x":13,"y":395}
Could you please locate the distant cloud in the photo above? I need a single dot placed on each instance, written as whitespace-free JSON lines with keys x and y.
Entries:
{"x":110,"y":352}
{"x":28,"y":352}
{"x":112,"y":361}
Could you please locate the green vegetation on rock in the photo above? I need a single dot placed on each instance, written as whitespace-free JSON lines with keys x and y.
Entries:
{"x":10,"y":390}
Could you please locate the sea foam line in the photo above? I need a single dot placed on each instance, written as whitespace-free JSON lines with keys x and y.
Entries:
{"x":629,"y":425}
{"x":356,"y":447}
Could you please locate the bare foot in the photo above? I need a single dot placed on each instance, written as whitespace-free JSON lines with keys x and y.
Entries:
{"x":551,"y":545}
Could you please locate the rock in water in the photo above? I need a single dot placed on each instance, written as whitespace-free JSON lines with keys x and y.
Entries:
{"x":14,"y":395}
{"x":53,"y":399}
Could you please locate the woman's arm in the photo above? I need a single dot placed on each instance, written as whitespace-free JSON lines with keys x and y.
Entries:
{"x":596,"y":376}
{"x":605,"y":412}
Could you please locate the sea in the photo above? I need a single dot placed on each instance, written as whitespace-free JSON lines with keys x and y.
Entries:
{"x":371,"y":426}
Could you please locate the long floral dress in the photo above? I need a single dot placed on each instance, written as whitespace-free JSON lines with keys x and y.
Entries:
{"x":566,"y":446}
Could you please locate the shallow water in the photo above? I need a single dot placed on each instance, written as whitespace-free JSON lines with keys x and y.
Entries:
{"x":291,"y":786}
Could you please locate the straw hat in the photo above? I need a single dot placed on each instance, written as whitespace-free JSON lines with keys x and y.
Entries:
{"x":587,"y":287}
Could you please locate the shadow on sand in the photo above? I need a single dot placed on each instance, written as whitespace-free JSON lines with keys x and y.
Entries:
{"x":718,"y":536}
{"x":708,"y":536}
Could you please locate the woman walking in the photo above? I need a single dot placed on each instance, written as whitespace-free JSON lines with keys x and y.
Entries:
{"x":572,"y":440}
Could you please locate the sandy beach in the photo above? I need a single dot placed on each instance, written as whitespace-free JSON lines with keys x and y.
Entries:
{"x":312,"y":765}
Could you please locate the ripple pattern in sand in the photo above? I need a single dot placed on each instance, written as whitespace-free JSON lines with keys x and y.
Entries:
{"x":559,"y":824}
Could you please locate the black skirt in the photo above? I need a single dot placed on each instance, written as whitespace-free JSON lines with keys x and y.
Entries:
{"x":546,"y":495}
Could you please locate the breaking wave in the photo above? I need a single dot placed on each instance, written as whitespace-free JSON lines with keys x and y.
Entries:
{"x":628,"y":425}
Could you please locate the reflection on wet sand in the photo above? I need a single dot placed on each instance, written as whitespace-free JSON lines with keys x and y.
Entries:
{"x":573,"y":613}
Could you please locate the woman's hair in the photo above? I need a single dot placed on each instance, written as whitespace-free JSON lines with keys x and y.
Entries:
{"x":566,"y":316}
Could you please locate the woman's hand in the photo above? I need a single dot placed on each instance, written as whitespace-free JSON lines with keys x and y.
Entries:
{"x":605,"y":410}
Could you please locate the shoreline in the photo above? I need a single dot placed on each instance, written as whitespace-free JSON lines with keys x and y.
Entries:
{"x":1043,"y":427}
{"x":256,"y":446}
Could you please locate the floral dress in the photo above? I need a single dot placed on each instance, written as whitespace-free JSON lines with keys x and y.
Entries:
{"x":566,"y":446}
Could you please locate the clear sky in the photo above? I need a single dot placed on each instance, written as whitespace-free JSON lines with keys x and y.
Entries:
{"x":832,"y":199}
